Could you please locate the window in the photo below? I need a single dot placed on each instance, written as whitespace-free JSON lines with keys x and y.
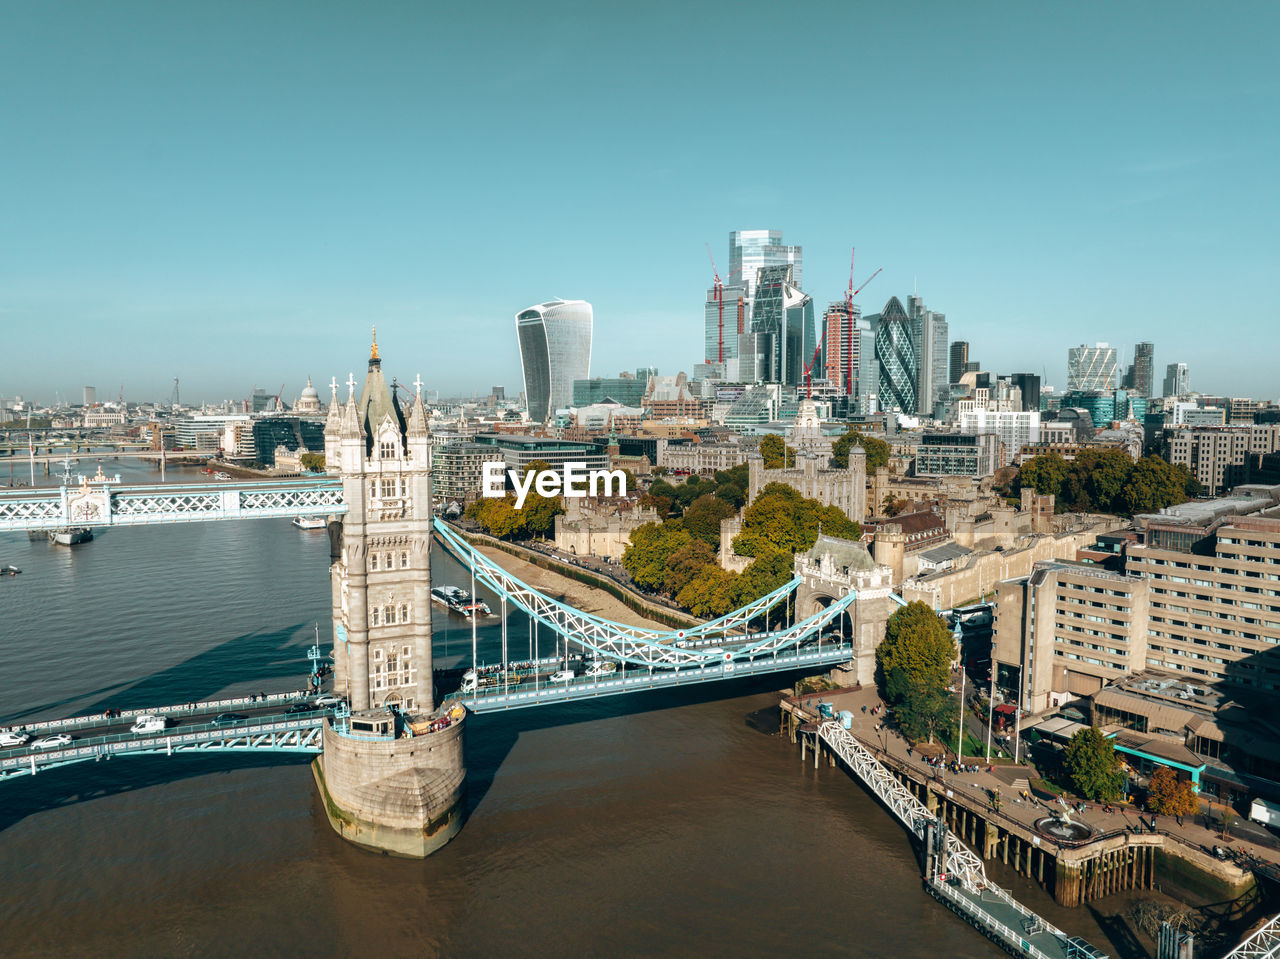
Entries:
{"x":405,"y":652}
{"x":387,"y":562}
{"x":373,"y":562}
{"x":404,"y":560}
{"x":388,"y":487}
{"x":375,"y":615}
{"x":377,"y":655}
{"x":404,"y":615}
{"x":373,"y":489}
{"x":387,"y":450}
{"x":390,"y":613}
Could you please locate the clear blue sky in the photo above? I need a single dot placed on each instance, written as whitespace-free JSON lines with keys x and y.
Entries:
{"x":234,"y":192}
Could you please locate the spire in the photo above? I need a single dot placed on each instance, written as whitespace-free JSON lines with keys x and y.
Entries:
{"x":332,"y":423}
{"x":373,"y":352}
{"x":350,"y":422}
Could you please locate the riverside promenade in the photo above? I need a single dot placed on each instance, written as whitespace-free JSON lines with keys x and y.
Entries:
{"x":1005,"y":827}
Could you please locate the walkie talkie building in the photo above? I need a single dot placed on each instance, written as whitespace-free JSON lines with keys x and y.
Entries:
{"x":555,"y":350}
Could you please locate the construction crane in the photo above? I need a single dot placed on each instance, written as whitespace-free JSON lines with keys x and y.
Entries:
{"x":279,"y":404}
{"x":808,"y":379}
{"x":718,"y":289}
{"x":848,"y":308}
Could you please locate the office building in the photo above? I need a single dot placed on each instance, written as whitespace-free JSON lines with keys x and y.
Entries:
{"x":1220,"y":457}
{"x":1029,"y":385}
{"x":457,"y":470}
{"x":782,"y":320}
{"x":842,"y":346}
{"x":626,"y":390}
{"x":1177,"y":380}
{"x":90,"y":396}
{"x":929,"y":338}
{"x":1015,"y":429}
{"x":1142,"y":382}
{"x":724,"y":320}
{"x":895,"y":358}
{"x":517,"y":452}
{"x":555,"y":350}
{"x":958,"y":454}
{"x":1066,"y":631}
{"x":751,"y":251}
{"x":1101,"y":405}
{"x":959,"y":362}
{"x":1091,"y":368}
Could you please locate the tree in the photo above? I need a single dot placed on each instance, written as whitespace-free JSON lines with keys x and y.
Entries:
{"x":776,"y":453}
{"x":497,"y":517}
{"x":892,"y":506}
{"x":1044,"y":473}
{"x":650,"y":550}
{"x":924,"y":712}
{"x":782,"y":519}
{"x":877,"y":450}
{"x":1170,"y":796}
{"x":539,"y":512}
{"x":1092,"y":763}
{"x":313,"y":462}
{"x":685,"y":563}
{"x":710,"y":592}
{"x":703,"y":517}
{"x":915,"y":655}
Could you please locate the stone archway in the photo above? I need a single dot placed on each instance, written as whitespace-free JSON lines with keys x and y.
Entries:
{"x":841,"y":626}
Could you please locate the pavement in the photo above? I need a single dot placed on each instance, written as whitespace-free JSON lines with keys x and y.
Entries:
{"x":877,"y":733}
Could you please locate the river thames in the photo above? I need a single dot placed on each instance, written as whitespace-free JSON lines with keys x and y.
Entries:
{"x":667,"y":824}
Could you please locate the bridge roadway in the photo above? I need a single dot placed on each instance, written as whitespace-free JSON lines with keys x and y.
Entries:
{"x":266,"y":726}
{"x":504,"y":697}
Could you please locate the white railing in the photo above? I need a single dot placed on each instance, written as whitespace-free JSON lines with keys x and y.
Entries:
{"x":1263,"y":944}
{"x":214,"y":705}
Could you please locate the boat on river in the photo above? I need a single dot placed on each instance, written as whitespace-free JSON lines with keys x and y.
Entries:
{"x":459,"y":601}
{"x":71,"y":535}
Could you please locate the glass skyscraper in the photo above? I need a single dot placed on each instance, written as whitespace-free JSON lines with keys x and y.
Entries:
{"x":896,"y":358}
{"x":1092,"y":368}
{"x":749,"y":252}
{"x":783,"y":324}
{"x":555,"y":350}
{"x":1144,"y":371}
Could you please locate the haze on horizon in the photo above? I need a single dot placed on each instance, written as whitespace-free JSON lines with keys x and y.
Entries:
{"x":233,"y":195}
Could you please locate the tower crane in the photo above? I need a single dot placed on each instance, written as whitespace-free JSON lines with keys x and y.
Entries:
{"x":848,"y":307}
{"x":719,"y":295}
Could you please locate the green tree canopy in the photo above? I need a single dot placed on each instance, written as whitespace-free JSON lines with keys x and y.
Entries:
{"x":777,"y":454}
{"x":782,"y":519}
{"x":649,"y":552}
{"x":313,"y":462}
{"x":877,"y":450}
{"x":1093,"y":765}
{"x":915,"y":655}
{"x":703,"y":517}
{"x":1107,"y":481}
{"x":538,"y":514}
{"x":925,"y":711}
{"x":497,"y":517}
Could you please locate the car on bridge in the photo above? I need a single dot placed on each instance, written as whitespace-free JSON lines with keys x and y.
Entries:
{"x":229,"y":719}
{"x":563,"y":676}
{"x":148,"y":723}
{"x":326,"y":701}
{"x":53,"y":742}
{"x":303,"y":707}
{"x":14,"y":739}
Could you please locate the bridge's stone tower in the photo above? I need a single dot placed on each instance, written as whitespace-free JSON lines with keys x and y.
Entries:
{"x":393,"y":780}
{"x":832,"y":569}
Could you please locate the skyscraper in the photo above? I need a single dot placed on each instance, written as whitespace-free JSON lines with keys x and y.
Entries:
{"x":1177,"y":380}
{"x":555,"y":350}
{"x":841,"y":346}
{"x":1029,"y":384}
{"x":1144,"y":369}
{"x":929,"y":339}
{"x":725,"y":317}
{"x":896,"y":358}
{"x":752,"y":250}
{"x":959,"y":360}
{"x":1091,"y":367}
{"x":782,"y":320}
{"x":90,"y":396}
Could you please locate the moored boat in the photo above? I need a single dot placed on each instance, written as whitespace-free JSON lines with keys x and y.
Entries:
{"x":310,"y":522}
{"x":71,"y":535}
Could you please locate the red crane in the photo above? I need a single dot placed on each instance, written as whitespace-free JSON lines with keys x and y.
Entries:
{"x":848,"y":308}
{"x":808,"y":380}
{"x":719,"y":295}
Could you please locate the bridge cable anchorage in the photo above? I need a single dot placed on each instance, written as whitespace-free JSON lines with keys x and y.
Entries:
{"x":957,"y":861}
{"x":721,"y":640}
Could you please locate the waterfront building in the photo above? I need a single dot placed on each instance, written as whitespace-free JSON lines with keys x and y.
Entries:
{"x":99,"y":417}
{"x":273,"y":433}
{"x":1067,"y":630}
{"x":624,"y":389}
{"x":1177,"y":380}
{"x":555,"y":350}
{"x":958,"y":454}
{"x":457,"y":471}
{"x":896,"y":358}
{"x":1091,"y":368}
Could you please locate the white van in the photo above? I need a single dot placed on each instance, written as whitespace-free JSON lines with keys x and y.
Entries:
{"x":601,"y":667}
{"x":564,"y":676}
{"x":148,"y":723}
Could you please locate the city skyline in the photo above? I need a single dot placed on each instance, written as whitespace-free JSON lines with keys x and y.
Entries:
{"x":228,"y":226}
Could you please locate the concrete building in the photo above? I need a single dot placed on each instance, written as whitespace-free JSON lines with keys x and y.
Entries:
{"x":383,"y":788}
{"x":958,"y":454}
{"x":1221,"y":457}
{"x":701,"y":458}
{"x":457,"y":470}
{"x":517,"y":451}
{"x":99,"y":417}
{"x":1066,"y":630}
{"x":1015,"y":430}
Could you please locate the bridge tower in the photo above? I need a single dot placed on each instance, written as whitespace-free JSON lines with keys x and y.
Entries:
{"x":832,"y":569}
{"x":392,"y":776}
